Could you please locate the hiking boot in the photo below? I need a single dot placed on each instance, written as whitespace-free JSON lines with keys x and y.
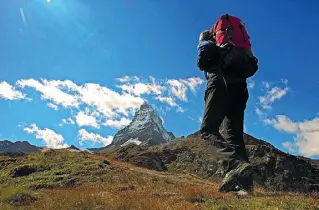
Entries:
{"x":246,"y":183}
{"x":239,"y":178}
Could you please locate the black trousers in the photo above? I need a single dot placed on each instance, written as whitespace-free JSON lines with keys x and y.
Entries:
{"x":225,"y":104}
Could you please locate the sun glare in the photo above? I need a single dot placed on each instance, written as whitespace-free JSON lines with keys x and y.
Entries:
{"x":48,"y":1}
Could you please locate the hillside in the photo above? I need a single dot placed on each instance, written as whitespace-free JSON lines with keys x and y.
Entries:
{"x":62,"y":179}
{"x":274,"y":170}
{"x":147,"y":167}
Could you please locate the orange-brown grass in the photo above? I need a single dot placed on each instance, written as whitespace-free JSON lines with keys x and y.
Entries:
{"x":124,"y":186}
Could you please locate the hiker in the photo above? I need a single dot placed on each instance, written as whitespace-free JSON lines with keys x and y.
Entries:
{"x":224,"y":55}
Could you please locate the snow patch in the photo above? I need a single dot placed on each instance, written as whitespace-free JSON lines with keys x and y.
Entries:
{"x":81,"y":150}
{"x":132,"y":141}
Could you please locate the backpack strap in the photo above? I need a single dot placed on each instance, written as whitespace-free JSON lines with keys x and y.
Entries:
{"x":242,"y":32}
{"x":231,"y":27}
{"x":213,"y":31}
{"x":229,"y":22}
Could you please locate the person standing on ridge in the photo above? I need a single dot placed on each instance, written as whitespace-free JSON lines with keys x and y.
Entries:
{"x":224,"y":54}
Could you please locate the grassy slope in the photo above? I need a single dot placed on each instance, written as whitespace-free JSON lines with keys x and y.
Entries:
{"x":68,"y":180}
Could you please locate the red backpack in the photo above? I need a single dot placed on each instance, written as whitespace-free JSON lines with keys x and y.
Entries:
{"x":230,"y":34}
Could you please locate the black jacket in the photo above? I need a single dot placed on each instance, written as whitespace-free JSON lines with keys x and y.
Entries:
{"x":209,"y":61}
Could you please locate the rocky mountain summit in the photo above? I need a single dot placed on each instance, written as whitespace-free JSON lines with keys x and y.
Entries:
{"x":17,"y":147}
{"x":146,"y":128}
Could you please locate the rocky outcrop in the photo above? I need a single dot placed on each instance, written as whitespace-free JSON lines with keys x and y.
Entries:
{"x":140,"y":157}
{"x":277,"y":170}
{"x":274,"y":170}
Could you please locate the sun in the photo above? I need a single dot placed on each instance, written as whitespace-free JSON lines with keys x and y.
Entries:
{"x":48,"y":1}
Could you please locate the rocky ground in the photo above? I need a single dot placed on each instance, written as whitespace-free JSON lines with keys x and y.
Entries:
{"x":274,"y":170}
{"x":62,"y":179}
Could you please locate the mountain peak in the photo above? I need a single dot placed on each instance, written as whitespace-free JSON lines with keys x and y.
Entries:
{"x":146,"y":128}
{"x":145,"y":105}
{"x":73,"y":147}
{"x":17,"y":147}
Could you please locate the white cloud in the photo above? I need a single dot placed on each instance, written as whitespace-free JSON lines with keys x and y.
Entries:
{"x":140,"y":88}
{"x":193,"y":83}
{"x":290,"y":146}
{"x":197,"y":119}
{"x":64,"y":84}
{"x":107,"y":101}
{"x":135,"y":86}
{"x":67,"y":121}
{"x":92,"y":112}
{"x":128,"y":79}
{"x":70,"y":121}
{"x":136,"y":89}
{"x":175,"y":88}
{"x":104,"y":102}
{"x":306,"y":133}
{"x":82,"y":119}
{"x":180,"y":109}
{"x":259,"y":112}
{"x":8,"y":92}
{"x":285,"y":81}
{"x":50,"y":137}
{"x":53,"y":106}
{"x":117,"y":123}
{"x":50,"y":91}
{"x":93,"y":137}
{"x":282,"y":123}
{"x":273,"y":94}
{"x":251,"y":84}
{"x":267,"y":84}
{"x":168,"y":100}
{"x":68,"y":94}
{"x":178,"y":88}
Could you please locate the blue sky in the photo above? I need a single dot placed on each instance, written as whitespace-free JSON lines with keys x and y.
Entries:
{"x":74,"y":72}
